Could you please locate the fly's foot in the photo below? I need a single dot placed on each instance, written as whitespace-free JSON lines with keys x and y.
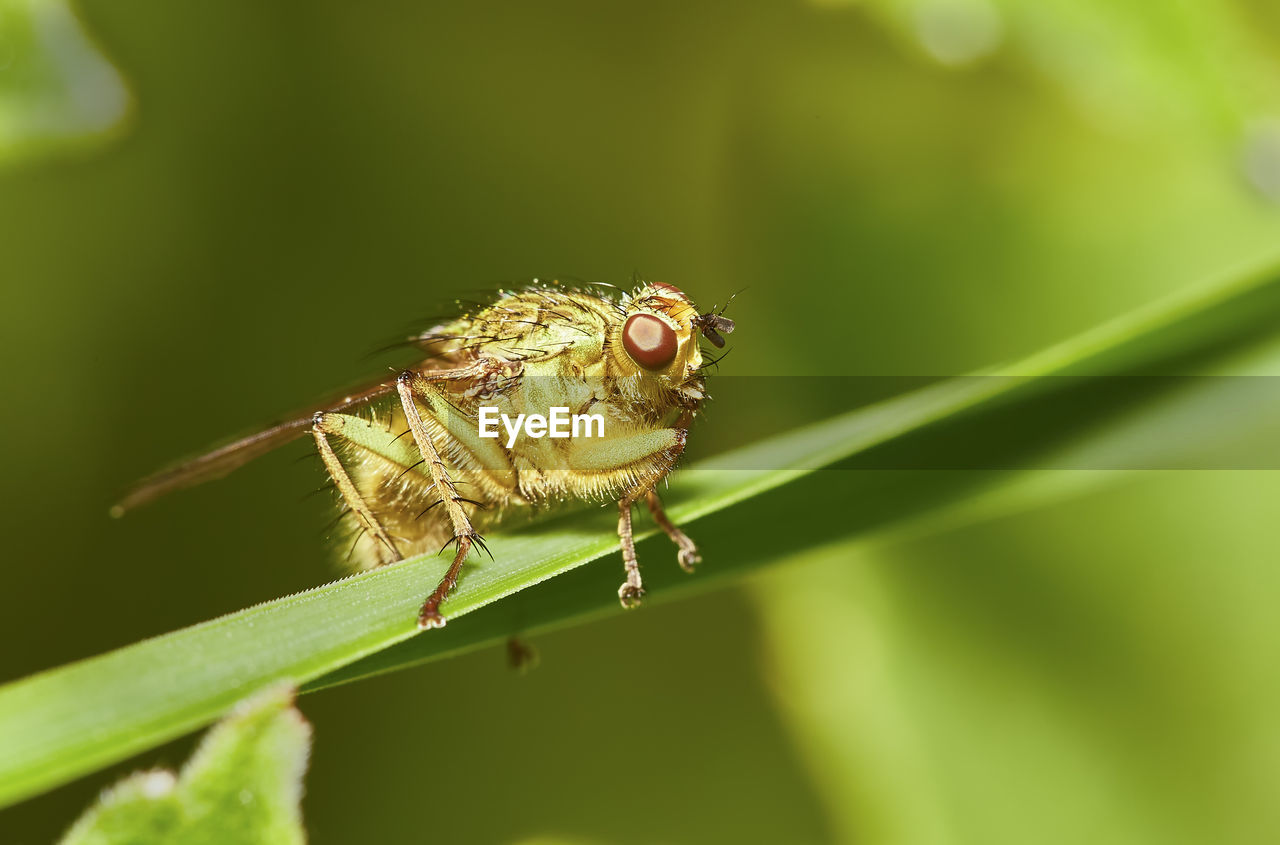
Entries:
{"x":429,"y":617}
{"x":629,"y":594}
{"x":688,"y":556}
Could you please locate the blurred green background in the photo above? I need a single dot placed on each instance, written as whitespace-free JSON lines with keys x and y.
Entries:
{"x":903,"y":187}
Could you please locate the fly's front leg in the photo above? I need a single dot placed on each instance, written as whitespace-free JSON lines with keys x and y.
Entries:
{"x":688,"y":551}
{"x":632,"y":589}
{"x":409,"y":385}
{"x":639,"y":460}
{"x":323,"y":425}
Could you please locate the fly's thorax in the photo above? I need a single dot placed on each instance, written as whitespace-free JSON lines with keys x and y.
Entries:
{"x":637,"y":354}
{"x":527,"y":325}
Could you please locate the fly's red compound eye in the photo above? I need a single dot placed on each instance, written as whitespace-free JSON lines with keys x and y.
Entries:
{"x":650,"y":342}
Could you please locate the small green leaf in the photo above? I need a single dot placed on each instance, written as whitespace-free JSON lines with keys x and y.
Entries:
{"x":242,"y":785}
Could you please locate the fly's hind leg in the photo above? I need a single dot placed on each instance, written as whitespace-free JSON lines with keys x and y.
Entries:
{"x":409,"y":385}
{"x":687,"y":552}
{"x":323,"y":425}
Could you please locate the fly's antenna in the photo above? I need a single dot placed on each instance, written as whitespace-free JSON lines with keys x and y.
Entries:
{"x":731,"y":298}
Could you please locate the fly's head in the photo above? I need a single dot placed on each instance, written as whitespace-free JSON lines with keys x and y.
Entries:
{"x":655,"y":343}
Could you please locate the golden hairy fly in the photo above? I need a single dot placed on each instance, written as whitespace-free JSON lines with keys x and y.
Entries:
{"x":414,"y":472}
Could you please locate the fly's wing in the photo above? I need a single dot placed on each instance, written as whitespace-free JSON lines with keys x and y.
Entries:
{"x":221,"y":461}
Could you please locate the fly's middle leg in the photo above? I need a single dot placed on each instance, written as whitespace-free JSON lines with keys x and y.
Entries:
{"x":409,"y":385}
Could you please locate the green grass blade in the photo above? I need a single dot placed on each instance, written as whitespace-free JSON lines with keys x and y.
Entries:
{"x":66,"y":722}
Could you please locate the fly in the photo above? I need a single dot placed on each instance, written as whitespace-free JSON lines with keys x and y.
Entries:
{"x":413,"y":463}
